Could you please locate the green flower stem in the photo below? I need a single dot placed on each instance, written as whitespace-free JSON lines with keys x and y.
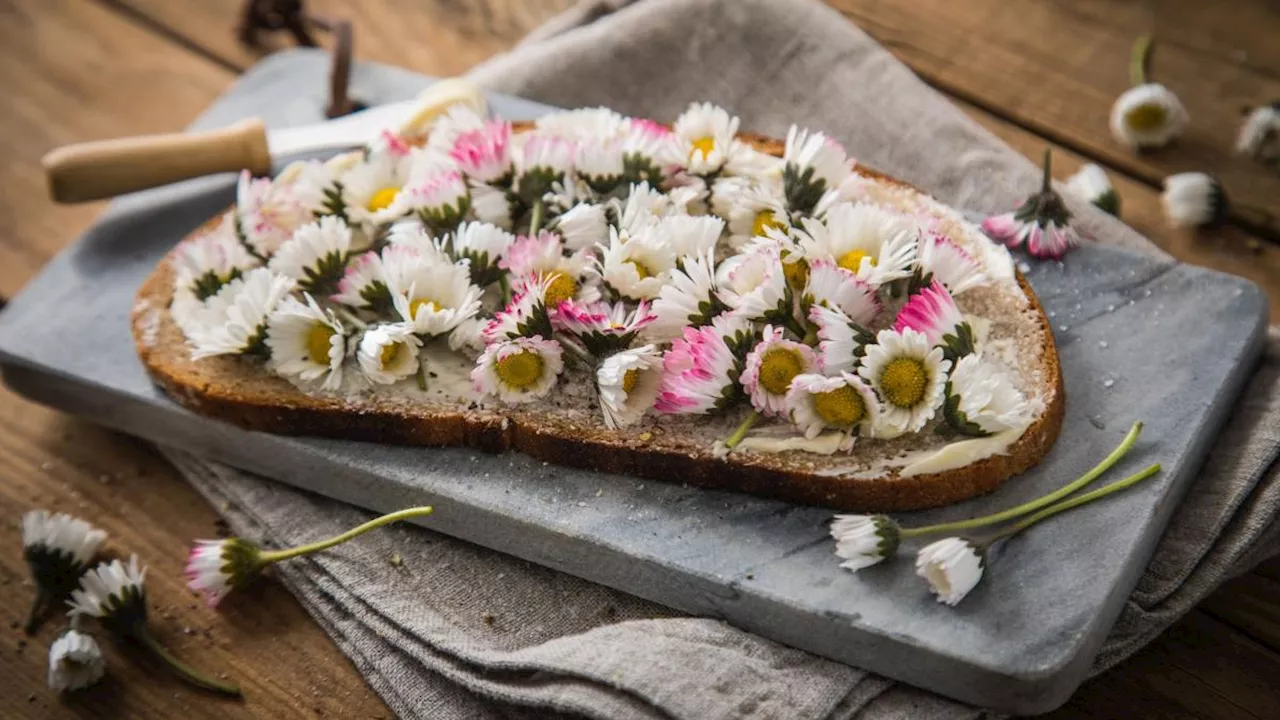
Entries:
{"x":422,"y":376}
{"x":1040,"y":502}
{"x":578,"y":352}
{"x":37,"y":611}
{"x":348,"y":316}
{"x":504,"y":284}
{"x":1139,"y":60}
{"x":1048,"y":173}
{"x":1074,"y":502}
{"x":535,"y":222}
{"x":184,"y":671}
{"x":272,"y":556}
{"x":741,"y":433}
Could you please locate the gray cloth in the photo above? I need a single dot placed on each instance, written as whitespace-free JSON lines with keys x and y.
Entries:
{"x":445,"y":629}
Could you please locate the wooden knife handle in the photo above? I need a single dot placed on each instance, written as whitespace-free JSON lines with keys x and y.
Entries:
{"x":106,"y":168}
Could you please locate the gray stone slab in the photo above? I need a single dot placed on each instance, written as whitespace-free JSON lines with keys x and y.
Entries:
{"x":1165,"y":343}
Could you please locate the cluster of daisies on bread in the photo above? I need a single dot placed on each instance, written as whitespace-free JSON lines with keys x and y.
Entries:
{"x":683,"y":270}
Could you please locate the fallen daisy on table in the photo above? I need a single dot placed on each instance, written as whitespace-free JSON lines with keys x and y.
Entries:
{"x":58,"y":548}
{"x":953,"y":566}
{"x":216,"y":567}
{"x":1259,"y":136}
{"x":1147,"y":115}
{"x":75,"y":661}
{"x":1091,"y":183}
{"x":114,"y":593}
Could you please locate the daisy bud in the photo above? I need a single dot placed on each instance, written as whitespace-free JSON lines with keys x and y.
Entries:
{"x":114,"y":593}
{"x":75,"y":661}
{"x":58,"y":549}
{"x":1259,"y":136}
{"x":1147,"y":115}
{"x":952,"y":567}
{"x":1193,"y":199}
{"x":864,"y":540}
{"x":1091,"y":183}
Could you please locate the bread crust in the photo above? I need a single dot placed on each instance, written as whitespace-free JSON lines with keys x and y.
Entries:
{"x":241,"y":393}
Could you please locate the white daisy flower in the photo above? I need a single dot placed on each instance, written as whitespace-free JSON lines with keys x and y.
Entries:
{"x":491,"y":204}
{"x":952,"y":567}
{"x":637,"y":267}
{"x":306,"y":342}
{"x":234,"y":321}
{"x":526,"y":315}
{"x":484,"y":154}
{"x":316,"y":255}
{"x":434,"y":296}
{"x":206,"y":263}
{"x":371,"y":188}
{"x":364,"y":284}
{"x":700,"y":370}
{"x":75,"y":661}
{"x":932,"y":312}
{"x":600,"y":327}
{"x":583,"y":226}
{"x":689,"y":234}
{"x":388,"y":353}
{"x":876,"y":245}
{"x":814,"y":164}
{"x":649,"y":151}
{"x":216,"y":567}
{"x":598,"y":161}
{"x":908,"y":374}
{"x":1091,"y":183}
{"x":1042,"y":222}
{"x":1193,"y":199}
{"x":705,"y":137}
{"x":542,"y":257}
{"x":864,"y":540}
{"x":540,"y":161}
{"x":58,"y":548}
{"x":628,"y":382}
{"x":832,"y":286}
{"x":752,"y":209}
{"x":445,"y":131}
{"x":643,"y":207}
{"x":483,"y":245}
{"x":112,"y":592}
{"x":841,"y":402}
{"x":754,"y":284}
{"x":595,"y":122}
{"x":415,"y":237}
{"x":950,"y":264}
{"x":267,"y":212}
{"x":688,"y":298}
{"x":518,"y":370}
{"x":771,"y":366}
{"x":982,"y":400}
{"x":439,"y":199}
{"x":1259,"y":135}
{"x":840,"y":341}
{"x":1148,"y":116}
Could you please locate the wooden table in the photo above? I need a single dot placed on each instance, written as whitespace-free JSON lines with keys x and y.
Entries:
{"x":1034,"y":72}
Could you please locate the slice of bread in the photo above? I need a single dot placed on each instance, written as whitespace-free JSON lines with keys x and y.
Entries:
{"x":567,"y":429}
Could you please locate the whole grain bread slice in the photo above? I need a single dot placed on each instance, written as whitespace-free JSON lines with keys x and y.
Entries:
{"x":241,"y":392}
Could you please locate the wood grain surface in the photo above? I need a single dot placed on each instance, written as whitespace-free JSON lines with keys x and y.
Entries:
{"x":1034,"y":72}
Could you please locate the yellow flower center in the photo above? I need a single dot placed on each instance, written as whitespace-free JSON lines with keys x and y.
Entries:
{"x":796,"y":272}
{"x":764,"y":220}
{"x":704,"y":145}
{"x":641,"y":269}
{"x":390,"y":354}
{"x":520,"y":370}
{"x":382,"y":199}
{"x":841,"y":407}
{"x":561,"y":288}
{"x":1146,"y":117}
{"x":852,"y":260}
{"x":318,"y":340}
{"x":629,"y":380}
{"x":421,"y":303}
{"x":902,"y":381}
{"x":778,"y":368}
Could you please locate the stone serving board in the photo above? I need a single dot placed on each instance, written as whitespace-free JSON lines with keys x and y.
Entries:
{"x":1139,"y":339}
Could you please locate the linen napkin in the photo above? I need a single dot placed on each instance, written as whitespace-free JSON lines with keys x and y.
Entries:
{"x":443,"y":629}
